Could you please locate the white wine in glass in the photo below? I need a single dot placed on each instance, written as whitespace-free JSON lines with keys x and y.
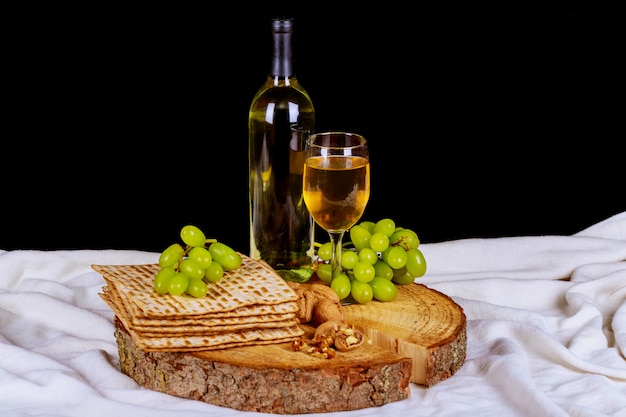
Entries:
{"x":336,"y":184}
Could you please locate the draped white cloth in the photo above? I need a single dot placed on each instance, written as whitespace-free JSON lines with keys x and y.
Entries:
{"x":546,"y":332}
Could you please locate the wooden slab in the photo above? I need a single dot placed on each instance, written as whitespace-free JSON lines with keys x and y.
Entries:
{"x":419,"y":338}
{"x":423,"y":324}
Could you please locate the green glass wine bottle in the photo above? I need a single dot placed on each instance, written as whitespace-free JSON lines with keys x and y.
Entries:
{"x":281,"y":118}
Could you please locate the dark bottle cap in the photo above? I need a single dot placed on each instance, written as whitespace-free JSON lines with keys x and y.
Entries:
{"x":282,"y":24}
{"x":282,"y":60}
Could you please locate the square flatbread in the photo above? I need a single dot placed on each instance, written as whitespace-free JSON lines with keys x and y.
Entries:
{"x":219,"y":340}
{"x":252,"y":289}
{"x":249,"y":305}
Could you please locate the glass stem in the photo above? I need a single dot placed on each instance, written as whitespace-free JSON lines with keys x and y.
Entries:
{"x":335,"y":261}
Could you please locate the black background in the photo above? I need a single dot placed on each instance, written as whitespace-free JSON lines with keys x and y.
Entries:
{"x":122,"y":124}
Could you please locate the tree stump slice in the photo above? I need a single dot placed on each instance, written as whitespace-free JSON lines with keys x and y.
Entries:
{"x":419,"y":338}
{"x":421,"y":323}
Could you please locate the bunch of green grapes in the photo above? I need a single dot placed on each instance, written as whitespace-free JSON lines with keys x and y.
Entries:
{"x":188,"y":269}
{"x":378,"y":256}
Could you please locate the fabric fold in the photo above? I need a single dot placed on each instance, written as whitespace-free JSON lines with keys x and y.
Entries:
{"x":546,"y":332}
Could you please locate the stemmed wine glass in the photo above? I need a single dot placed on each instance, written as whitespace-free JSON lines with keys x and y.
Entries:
{"x":336,"y":184}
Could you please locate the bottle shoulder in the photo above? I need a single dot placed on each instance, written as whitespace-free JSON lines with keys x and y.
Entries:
{"x":277,"y":89}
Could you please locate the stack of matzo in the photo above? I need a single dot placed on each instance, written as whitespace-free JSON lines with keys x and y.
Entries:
{"x":249,"y":306}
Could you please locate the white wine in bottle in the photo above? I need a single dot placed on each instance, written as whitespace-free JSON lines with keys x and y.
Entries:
{"x":280,"y":120}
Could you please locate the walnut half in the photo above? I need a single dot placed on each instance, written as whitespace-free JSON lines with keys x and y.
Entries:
{"x":345,"y":336}
{"x":320,"y":305}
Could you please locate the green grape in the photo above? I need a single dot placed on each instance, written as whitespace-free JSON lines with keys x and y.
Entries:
{"x":415,"y":263}
{"x":191,"y":269}
{"x":201,"y":256}
{"x":349,"y":258}
{"x":325,"y":272}
{"x":342,"y":285}
{"x":325,"y":252}
{"x":360,"y":237}
{"x":379,"y":241}
{"x":171,"y":255}
{"x":402,"y":277}
{"x":383,"y":270}
{"x":364,"y":271}
{"x":178,"y":283}
{"x":192,"y":236}
{"x":383,"y":289}
{"x":405,"y":238}
{"x":395,"y":257}
{"x":368,"y":225}
{"x":361,"y":291}
{"x":387,"y":257}
{"x":162,"y":279}
{"x":225,"y":255}
{"x":385,"y":226}
{"x":368,"y":255}
{"x":214,"y":272}
{"x":197,"y":288}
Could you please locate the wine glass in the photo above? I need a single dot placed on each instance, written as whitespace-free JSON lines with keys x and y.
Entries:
{"x":336,"y":184}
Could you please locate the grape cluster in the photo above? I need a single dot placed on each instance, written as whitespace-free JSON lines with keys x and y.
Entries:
{"x":378,"y":256}
{"x":188,"y":269}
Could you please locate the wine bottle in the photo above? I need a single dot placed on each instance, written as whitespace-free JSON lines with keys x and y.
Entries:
{"x":281,"y":118}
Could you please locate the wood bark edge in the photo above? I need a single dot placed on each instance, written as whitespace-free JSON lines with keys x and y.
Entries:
{"x":268,"y":390}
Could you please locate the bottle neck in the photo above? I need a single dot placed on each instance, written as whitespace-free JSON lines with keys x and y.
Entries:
{"x":282,"y":60}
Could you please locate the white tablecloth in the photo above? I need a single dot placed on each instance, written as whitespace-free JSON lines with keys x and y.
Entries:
{"x":546,"y":332}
